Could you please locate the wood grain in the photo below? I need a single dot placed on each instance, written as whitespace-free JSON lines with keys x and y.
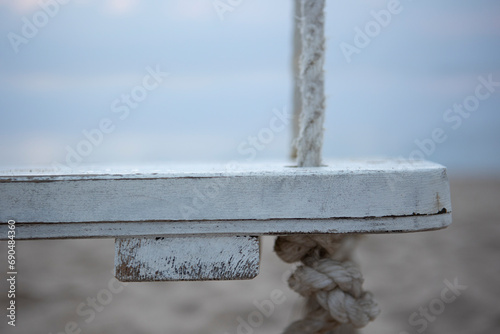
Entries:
{"x":229,"y":228}
{"x":186,"y":258}
{"x":341,"y":190}
{"x":187,"y":222}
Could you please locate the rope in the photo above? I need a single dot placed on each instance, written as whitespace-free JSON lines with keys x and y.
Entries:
{"x":332,"y":284}
{"x":311,"y":82}
{"x":297,"y":95}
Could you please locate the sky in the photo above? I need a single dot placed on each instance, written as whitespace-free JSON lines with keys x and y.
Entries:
{"x":132,"y":82}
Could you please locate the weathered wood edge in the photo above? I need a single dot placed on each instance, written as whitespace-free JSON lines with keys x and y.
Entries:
{"x":371,"y":225}
{"x":202,"y":258}
{"x":279,"y":193}
{"x":176,"y":170}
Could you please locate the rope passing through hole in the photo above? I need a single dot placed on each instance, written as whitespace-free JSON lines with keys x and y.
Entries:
{"x":332,"y":284}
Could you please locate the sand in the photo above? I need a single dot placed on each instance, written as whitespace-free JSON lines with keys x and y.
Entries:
{"x":404,"y":271}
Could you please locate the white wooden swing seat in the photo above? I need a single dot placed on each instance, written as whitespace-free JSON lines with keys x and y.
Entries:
{"x":203,"y":222}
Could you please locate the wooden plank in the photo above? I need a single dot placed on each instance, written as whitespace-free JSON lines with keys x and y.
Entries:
{"x":343,"y":189}
{"x":230,"y":228}
{"x":186,"y":258}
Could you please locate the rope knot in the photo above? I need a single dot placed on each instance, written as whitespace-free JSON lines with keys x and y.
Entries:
{"x":345,"y":309}
{"x":332,"y":283}
{"x":327,"y":275}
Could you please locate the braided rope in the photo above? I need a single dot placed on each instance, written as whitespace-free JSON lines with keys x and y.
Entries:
{"x":331,"y":283}
{"x":311,"y":82}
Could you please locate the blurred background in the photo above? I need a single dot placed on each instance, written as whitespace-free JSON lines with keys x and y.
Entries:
{"x":228,"y":72}
{"x":84,"y":82}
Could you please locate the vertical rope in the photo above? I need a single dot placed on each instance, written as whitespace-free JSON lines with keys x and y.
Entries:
{"x":332,"y":284}
{"x":311,"y":82}
{"x":297,"y":95}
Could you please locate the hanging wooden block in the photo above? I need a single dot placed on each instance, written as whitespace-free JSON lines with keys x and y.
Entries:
{"x":186,"y":258}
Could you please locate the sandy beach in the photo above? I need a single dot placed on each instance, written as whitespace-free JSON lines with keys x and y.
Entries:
{"x":67,"y":286}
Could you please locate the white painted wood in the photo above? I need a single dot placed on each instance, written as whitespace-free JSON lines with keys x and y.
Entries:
{"x":344,"y":189}
{"x":202,"y":210}
{"x":230,"y":228}
{"x":186,"y":258}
